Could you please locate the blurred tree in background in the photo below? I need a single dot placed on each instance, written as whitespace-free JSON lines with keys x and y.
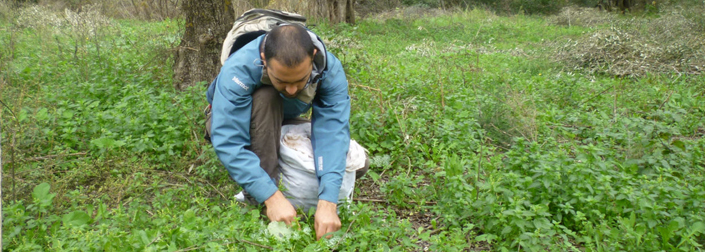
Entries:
{"x":207,"y":23}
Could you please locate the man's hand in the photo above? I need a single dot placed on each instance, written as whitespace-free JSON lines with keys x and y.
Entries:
{"x":279,"y":208}
{"x":327,"y":220}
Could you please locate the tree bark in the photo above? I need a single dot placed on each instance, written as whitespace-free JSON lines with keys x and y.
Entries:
{"x":206,"y":25}
{"x":624,"y":5}
{"x":350,"y":11}
{"x":340,"y":11}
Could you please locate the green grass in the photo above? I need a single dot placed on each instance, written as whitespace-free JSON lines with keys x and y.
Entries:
{"x":479,"y":139}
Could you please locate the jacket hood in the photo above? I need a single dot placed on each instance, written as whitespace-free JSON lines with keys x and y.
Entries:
{"x":319,"y":59}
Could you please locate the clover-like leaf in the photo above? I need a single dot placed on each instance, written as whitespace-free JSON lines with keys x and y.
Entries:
{"x":279,"y":230}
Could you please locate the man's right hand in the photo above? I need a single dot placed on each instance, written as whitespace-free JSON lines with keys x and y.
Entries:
{"x":279,"y":208}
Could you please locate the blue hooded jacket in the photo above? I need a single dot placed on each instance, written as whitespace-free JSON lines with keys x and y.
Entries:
{"x":230,"y":96}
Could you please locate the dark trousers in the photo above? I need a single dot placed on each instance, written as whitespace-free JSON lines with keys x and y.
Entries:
{"x":265,"y":129}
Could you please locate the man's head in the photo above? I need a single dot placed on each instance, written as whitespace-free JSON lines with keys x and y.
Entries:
{"x":288,"y":57}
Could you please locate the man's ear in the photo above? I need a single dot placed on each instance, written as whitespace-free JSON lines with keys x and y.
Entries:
{"x":264,"y":62}
{"x":314,"y":52}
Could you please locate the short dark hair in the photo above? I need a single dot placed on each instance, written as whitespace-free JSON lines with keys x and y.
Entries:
{"x":289,"y":44}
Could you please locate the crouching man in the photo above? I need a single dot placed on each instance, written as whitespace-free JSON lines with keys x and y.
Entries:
{"x":270,"y":82}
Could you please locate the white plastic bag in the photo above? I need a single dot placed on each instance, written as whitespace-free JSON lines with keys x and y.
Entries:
{"x":298,"y":175}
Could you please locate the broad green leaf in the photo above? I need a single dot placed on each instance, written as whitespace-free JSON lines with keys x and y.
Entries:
{"x":672,"y":227}
{"x":41,"y":191}
{"x":679,"y":144}
{"x":279,"y":230}
{"x":22,"y":115}
{"x":67,"y":114}
{"x":42,"y":196}
{"x":486,"y":237}
{"x":42,"y":114}
{"x":76,"y":218}
{"x":143,"y":237}
{"x":506,"y":230}
{"x":103,"y":142}
{"x":698,"y":227}
{"x":373,"y":175}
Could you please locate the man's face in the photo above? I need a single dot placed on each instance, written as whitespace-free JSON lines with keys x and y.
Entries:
{"x":289,"y":80}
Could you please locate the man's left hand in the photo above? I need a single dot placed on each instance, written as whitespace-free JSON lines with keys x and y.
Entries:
{"x":327,"y":220}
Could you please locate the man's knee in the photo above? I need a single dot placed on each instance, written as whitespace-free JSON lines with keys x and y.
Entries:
{"x":266,"y":107}
{"x":265,"y":90}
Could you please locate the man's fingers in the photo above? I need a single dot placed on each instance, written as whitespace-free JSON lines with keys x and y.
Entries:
{"x":319,"y":230}
{"x":327,"y":220}
{"x":279,"y":209}
{"x":334,"y":227}
{"x":286,"y":218}
{"x":326,"y":230}
{"x":328,"y":234}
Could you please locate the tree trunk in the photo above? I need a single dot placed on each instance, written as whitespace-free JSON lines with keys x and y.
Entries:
{"x":197,"y":57}
{"x":350,"y":11}
{"x":624,"y":5}
{"x":340,"y":11}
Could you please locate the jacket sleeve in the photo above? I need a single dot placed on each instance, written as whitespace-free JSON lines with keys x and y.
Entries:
{"x":230,"y":129}
{"x":330,"y":133}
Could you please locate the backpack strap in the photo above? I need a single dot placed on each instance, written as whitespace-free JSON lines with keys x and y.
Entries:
{"x":244,"y":39}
